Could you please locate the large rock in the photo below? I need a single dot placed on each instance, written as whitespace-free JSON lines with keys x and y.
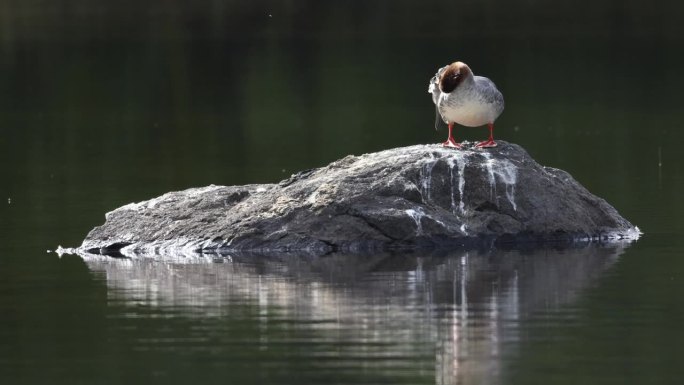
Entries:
{"x":411,"y":197}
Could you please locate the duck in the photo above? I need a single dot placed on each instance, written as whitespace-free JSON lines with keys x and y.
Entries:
{"x":461,"y":97}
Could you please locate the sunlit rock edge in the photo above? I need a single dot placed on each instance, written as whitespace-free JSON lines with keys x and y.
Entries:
{"x":417,"y":197}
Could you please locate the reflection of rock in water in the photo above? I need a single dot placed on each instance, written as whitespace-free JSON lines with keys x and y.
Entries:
{"x":466,"y":308}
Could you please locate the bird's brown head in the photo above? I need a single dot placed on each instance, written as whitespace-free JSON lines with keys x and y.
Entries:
{"x":453,"y":76}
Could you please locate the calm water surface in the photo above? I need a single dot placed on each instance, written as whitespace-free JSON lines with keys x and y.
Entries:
{"x":102,"y":104}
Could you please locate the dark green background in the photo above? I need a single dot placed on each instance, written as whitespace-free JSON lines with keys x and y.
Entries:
{"x":107,"y":102}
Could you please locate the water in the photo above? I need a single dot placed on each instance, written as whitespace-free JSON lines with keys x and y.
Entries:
{"x":105,"y":104}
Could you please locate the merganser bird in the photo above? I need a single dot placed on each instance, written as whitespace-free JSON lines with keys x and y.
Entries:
{"x":463,"y":98}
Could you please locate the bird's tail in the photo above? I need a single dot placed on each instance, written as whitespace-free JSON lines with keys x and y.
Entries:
{"x":437,"y":118}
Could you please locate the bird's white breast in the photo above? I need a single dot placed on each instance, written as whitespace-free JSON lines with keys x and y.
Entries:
{"x":474,"y":105}
{"x":468,"y":113}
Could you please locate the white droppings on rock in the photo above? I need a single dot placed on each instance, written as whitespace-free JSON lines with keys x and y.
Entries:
{"x":489,"y":164}
{"x":459,"y":160}
{"x":437,"y":221}
{"x":509,"y":175}
{"x":417,"y":215}
{"x":461,"y":184}
{"x":426,"y":176}
{"x":452,"y":162}
{"x":451,"y":184}
{"x":504,"y":171}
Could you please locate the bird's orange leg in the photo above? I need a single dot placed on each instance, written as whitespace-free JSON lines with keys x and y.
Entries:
{"x":450,"y":142}
{"x":490,"y":142}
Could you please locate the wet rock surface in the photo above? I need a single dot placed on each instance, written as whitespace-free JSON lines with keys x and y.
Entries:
{"x":421,"y":196}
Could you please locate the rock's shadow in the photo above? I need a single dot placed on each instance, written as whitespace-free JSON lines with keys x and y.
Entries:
{"x":466,"y":307}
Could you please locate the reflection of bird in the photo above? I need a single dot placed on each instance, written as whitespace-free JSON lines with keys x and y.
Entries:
{"x":460,"y":97}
